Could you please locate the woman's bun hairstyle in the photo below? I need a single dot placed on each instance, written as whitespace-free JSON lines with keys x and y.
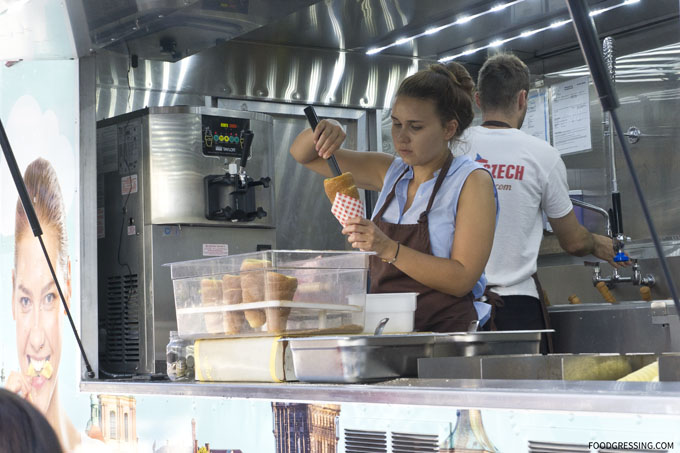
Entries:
{"x":449,"y":86}
{"x":462,"y":77}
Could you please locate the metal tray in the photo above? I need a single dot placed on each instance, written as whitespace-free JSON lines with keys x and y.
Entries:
{"x":567,"y":367}
{"x":468,"y":344}
{"x":361,"y":358}
{"x":370,"y":358}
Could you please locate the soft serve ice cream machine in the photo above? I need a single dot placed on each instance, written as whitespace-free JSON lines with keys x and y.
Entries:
{"x":174,"y":184}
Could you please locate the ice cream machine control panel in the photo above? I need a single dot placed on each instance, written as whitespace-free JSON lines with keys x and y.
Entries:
{"x":223,"y":137}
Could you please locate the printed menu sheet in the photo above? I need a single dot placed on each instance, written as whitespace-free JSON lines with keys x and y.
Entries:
{"x":571,"y":116}
{"x":536,"y":120}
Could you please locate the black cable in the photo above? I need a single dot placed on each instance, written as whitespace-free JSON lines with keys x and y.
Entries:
{"x":104,"y":372}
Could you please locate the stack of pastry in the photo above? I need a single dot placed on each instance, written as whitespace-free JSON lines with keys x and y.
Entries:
{"x":259,"y":284}
{"x":341,"y":184}
{"x":252,"y":286}
{"x":211,"y":296}
{"x":278,"y":287}
{"x":231,"y":294}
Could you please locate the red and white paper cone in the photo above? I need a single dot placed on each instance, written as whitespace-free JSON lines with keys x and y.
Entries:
{"x":346,"y":207}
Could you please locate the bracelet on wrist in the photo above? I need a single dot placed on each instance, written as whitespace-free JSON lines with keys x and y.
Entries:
{"x":396,"y":254}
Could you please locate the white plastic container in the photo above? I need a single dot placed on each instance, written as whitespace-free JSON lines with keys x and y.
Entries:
{"x":399,"y":307}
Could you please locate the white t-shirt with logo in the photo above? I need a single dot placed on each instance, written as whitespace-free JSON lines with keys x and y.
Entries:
{"x":530,"y":177}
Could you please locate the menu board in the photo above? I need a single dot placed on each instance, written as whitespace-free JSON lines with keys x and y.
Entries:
{"x":536,"y":120}
{"x":571,"y":116}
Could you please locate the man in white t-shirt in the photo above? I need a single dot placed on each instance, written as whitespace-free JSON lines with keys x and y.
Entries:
{"x":530,"y":177}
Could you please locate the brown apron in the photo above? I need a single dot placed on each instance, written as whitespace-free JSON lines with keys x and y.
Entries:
{"x":436,"y":311}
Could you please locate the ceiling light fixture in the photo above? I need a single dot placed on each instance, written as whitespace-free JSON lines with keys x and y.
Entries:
{"x":525,"y":34}
{"x":560,"y":23}
{"x":431,"y":31}
{"x":499,"y":8}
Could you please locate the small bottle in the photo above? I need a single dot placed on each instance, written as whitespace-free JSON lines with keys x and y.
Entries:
{"x":180,"y":358}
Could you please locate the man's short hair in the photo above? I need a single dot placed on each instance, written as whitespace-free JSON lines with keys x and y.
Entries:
{"x":500,"y":79}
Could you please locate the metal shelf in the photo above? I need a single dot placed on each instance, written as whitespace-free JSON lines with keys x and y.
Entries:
{"x":661,"y":398}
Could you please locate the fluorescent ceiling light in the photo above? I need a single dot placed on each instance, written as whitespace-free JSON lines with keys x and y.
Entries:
{"x":525,"y":34}
{"x":459,"y":21}
{"x":499,"y":7}
{"x":560,"y":23}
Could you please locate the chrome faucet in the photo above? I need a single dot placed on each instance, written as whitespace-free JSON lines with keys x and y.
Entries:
{"x":597,"y":209}
{"x":636,"y":279}
{"x":618,"y":240}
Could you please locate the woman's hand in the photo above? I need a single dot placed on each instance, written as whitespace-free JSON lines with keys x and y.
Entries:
{"x":17,"y":384}
{"x":328,"y":136}
{"x":364,"y":235}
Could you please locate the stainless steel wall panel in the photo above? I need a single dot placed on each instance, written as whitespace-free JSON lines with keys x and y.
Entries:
{"x":87,"y":192}
{"x":252,"y":71}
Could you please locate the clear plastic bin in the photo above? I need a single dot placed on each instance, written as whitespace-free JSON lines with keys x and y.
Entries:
{"x":272,"y":292}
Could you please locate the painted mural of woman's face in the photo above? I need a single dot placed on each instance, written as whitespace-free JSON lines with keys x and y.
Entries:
{"x":37,"y":310}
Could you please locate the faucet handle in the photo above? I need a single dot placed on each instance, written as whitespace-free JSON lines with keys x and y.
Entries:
{"x":621,"y":257}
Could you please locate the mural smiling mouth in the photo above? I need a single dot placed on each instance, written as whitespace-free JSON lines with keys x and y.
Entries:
{"x":40,"y":369}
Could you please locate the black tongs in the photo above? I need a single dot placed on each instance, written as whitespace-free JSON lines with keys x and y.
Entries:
{"x":313,"y":121}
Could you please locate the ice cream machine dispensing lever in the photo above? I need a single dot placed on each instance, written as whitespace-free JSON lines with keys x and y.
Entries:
{"x":246,"y":142}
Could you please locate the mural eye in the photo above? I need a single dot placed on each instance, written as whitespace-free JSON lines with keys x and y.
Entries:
{"x":25,"y":304}
{"x":49,"y":301}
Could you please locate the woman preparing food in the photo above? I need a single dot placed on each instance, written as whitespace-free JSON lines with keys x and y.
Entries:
{"x":434,"y":219}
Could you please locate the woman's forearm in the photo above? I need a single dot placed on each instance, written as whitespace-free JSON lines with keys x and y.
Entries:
{"x":303,"y":149}
{"x":442,"y":274}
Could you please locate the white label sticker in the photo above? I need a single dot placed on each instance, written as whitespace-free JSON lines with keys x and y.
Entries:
{"x":132,"y":230}
{"x":128,"y":184}
{"x":215,"y":249}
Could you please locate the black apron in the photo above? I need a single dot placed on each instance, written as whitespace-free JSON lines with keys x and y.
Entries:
{"x":436,"y":311}
{"x":496,"y":302}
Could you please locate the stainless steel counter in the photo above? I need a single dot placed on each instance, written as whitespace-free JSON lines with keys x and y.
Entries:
{"x":661,"y":398}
